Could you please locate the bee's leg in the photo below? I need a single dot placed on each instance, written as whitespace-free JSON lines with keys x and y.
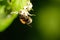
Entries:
{"x":29,"y":25}
{"x":31,"y":14}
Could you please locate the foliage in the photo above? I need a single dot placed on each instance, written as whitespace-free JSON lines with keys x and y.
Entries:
{"x":6,"y":7}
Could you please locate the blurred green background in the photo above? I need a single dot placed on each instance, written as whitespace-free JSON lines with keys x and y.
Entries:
{"x":45,"y":26}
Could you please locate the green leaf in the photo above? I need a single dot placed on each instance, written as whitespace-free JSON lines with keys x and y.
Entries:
{"x":6,"y":7}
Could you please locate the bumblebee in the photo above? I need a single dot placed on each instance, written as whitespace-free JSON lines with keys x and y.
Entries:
{"x":25,"y":17}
